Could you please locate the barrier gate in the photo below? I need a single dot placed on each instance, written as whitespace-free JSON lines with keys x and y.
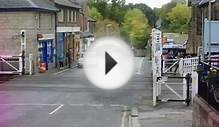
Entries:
{"x":12,"y":65}
{"x":15,"y":65}
{"x":168,"y":87}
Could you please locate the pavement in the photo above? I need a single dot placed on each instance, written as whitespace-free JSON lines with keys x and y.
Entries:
{"x":68,"y":99}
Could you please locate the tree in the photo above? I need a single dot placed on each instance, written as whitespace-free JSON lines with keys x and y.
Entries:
{"x":101,"y":6}
{"x":179,"y":18}
{"x":107,"y":27}
{"x":161,"y":13}
{"x":117,"y":10}
{"x":148,"y":12}
{"x":95,"y":14}
{"x":136,"y":26}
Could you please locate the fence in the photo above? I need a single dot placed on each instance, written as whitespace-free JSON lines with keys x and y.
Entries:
{"x":188,"y":65}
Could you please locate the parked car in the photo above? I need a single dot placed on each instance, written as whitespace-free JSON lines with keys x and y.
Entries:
{"x":81,"y":60}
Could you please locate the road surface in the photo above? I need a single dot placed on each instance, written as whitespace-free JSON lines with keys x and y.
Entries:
{"x":68,"y":99}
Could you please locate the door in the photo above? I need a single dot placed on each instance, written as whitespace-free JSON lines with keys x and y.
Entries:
{"x":46,"y":52}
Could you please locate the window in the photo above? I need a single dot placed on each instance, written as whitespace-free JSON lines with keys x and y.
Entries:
{"x":72,"y":16}
{"x":61,"y":16}
{"x":75,"y":16}
{"x":68,"y":16}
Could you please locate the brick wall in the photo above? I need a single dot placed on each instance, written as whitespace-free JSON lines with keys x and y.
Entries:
{"x":204,"y":115}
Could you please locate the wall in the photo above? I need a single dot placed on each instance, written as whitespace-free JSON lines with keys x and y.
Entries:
{"x":204,"y":115}
{"x":11,"y":23}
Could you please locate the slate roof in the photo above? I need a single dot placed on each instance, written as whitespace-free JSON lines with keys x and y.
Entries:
{"x":199,"y":2}
{"x":195,"y":2}
{"x":38,"y":5}
{"x":68,"y":3}
{"x":203,"y":2}
{"x":91,"y":19}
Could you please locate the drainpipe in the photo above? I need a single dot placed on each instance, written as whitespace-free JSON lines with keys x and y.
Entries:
{"x":56,"y":42}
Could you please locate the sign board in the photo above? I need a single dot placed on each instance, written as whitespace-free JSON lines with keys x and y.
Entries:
{"x":211,"y":30}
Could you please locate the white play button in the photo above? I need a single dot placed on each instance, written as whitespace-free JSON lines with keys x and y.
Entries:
{"x":109,"y":63}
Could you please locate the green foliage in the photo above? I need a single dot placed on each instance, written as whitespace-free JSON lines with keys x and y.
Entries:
{"x":95,"y":14}
{"x":107,"y":27}
{"x":148,"y":12}
{"x":117,"y":10}
{"x":100,"y":5}
{"x":136,"y":26}
{"x":134,"y":21}
{"x":179,"y":18}
{"x":161,"y":13}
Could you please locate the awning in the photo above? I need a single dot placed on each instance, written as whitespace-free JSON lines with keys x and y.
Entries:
{"x":86,"y":35}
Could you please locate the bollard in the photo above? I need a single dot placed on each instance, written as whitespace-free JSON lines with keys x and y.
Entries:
{"x":188,"y":80}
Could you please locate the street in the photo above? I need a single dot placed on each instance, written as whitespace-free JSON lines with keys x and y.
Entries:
{"x":68,"y":99}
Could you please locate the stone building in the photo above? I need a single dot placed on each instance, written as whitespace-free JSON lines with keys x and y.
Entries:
{"x":37,"y":19}
{"x":68,"y":29}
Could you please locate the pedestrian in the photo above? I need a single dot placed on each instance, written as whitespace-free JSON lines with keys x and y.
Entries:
{"x":68,"y":56}
{"x":61,"y":61}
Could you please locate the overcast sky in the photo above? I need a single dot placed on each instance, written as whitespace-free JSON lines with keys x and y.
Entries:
{"x":151,"y":3}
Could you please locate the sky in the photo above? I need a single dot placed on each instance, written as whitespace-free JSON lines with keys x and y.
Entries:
{"x":151,"y":3}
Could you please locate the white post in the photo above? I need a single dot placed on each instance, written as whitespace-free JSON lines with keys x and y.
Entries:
{"x":23,"y":47}
{"x":20,"y":64}
{"x":181,"y":66}
{"x":156,"y":62}
{"x":194,"y":84}
{"x":30,"y":64}
{"x":184,"y":87}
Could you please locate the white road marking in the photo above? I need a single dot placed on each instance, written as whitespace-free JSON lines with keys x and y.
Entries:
{"x":95,"y":105}
{"x":116,"y":105}
{"x":79,"y":105}
{"x":124,"y":116}
{"x":57,"y":73}
{"x":30,"y":104}
{"x":76,"y":105}
{"x":140,"y":67}
{"x":58,"y":108}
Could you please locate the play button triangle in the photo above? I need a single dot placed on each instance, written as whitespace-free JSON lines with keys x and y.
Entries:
{"x":110,"y":63}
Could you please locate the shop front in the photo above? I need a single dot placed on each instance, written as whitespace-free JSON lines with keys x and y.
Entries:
{"x":46,"y":52}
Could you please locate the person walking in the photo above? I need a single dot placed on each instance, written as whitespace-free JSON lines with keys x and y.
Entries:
{"x":61,"y":61}
{"x":68,"y":56}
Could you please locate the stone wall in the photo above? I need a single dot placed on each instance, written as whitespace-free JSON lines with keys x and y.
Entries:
{"x":203,"y":114}
{"x":11,"y":23}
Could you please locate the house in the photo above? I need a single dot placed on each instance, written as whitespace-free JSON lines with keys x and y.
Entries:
{"x":200,"y":11}
{"x":88,"y":35}
{"x":68,"y":29}
{"x":35,"y":19}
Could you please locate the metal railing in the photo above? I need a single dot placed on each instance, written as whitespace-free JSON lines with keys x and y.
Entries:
{"x":208,"y":83}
